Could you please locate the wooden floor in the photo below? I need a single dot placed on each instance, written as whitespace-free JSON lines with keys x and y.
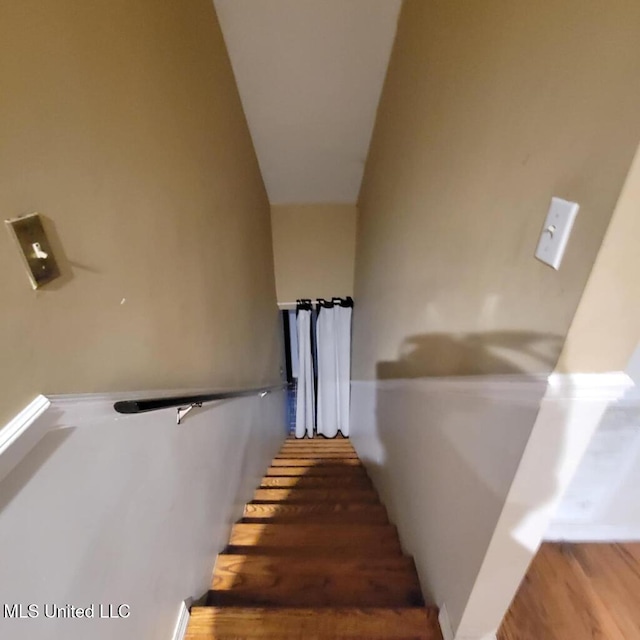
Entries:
{"x":578,"y":592}
{"x":314,"y":557}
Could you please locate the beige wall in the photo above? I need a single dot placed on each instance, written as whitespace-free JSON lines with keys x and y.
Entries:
{"x":314,"y":250}
{"x":606,"y":328}
{"x":121,"y":123}
{"x":489,"y":109}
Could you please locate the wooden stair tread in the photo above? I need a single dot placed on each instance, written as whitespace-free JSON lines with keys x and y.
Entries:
{"x":223,"y":623}
{"x":313,"y":495}
{"x":317,"y":447}
{"x":324,"y":455}
{"x":337,"y":438}
{"x":307,"y":531}
{"x":334,"y":536}
{"x":318,"y":443}
{"x":315,"y":453}
{"x":315,"y":482}
{"x":314,"y":557}
{"x":319,"y":470}
{"x":321,"y":511}
{"x":311,"y":462}
{"x":266,"y":564}
{"x":255,"y":580}
{"x":387,"y":550}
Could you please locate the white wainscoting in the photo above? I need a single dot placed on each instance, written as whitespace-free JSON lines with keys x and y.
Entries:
{"x":601,"y":503}
{"x":113,"y":509}
{"x":471,"y":470}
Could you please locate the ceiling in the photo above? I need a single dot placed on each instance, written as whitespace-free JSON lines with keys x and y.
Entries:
{"x":310,"y":73}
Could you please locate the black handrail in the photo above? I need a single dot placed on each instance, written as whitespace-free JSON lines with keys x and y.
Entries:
{"x":153,"y":404}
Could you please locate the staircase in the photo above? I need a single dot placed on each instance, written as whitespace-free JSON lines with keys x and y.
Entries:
{"x":314,"y":557}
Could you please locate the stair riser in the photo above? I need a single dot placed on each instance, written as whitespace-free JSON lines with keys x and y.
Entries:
{"x":250,"y":567}
{"x":323,"y":519}
{"x":307,"y":591}
{"x":287,"y":453}
{"x":337,"y":439}
{"x":245,"y":540}
{"x":324,"y":552}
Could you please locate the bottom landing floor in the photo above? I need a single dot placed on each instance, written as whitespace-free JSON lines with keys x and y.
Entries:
{"x":578,"y":592}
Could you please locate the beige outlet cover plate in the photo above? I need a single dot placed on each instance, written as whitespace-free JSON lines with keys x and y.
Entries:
{"x":33,"y":244}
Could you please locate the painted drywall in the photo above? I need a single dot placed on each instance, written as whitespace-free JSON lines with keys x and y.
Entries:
{"x":314,"y":250}
{"x":310,"y":75}
{"x":122,"y":125}
{"x":443,"y":452}
{"x":584,"y":446}
{"x":601,"y":501}
{"x":606,"y":327}
{"x":457,"y":462}
{"x":127,"y":510}
{"x":489,"y":109}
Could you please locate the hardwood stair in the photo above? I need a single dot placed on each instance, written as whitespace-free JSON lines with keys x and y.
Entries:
{"x":314,"y":557}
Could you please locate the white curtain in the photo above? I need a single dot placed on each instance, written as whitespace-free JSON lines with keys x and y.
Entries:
{"x":334,"y":369}
{"x":305,"y":400}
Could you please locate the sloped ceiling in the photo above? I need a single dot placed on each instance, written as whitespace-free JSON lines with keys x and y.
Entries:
{"x":310,"y":74}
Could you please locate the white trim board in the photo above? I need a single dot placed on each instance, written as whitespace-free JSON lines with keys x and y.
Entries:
{"x":445,"y":623}
{"x":182,"y":622}
{"x":18,"y":425}
{"x":517,"y":388}
{"x":22,"y":433}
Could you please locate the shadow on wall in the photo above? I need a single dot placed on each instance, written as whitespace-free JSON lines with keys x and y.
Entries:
{"x":445,"y":450}
{"x":22,"y":474}
{"x":494,"y":352}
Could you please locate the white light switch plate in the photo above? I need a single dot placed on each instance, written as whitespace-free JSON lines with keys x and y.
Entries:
{"x":556,"y":231}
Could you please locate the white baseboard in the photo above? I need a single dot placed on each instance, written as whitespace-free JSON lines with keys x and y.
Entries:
{"x":182,"y":622}
{"x":445,"y":623}
{"x":585,"y":532}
